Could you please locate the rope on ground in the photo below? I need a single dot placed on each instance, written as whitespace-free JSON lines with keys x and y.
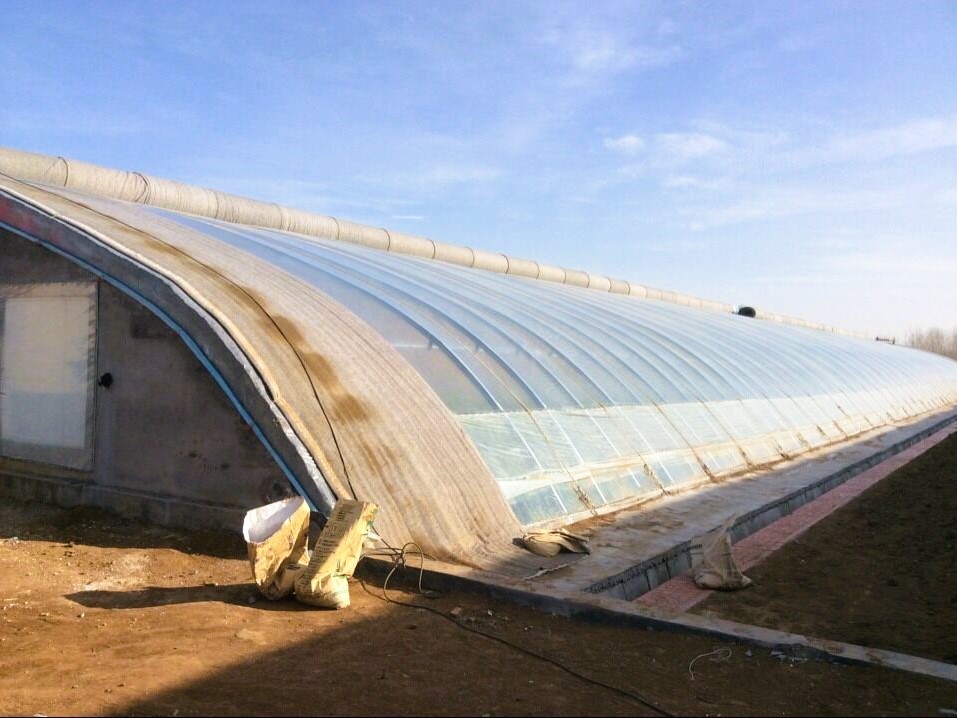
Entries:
{"x":719,"y":655}
{"x":399,"y":557}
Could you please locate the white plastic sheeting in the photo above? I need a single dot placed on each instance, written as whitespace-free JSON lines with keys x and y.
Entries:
{"x":579,"y":400}
{"x":47,"y":361}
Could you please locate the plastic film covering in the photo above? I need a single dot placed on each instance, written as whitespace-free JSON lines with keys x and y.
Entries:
{"x":580,"y":401}
{"x":47,"y":362}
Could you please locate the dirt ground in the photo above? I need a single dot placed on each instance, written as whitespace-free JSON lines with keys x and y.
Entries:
{"x":109,"y":617}
{"x":880,"y":572}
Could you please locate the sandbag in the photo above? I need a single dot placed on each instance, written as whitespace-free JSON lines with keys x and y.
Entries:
{"x":276,"y":537}
{"x":713,"y":562}
{"x":334,"y":558}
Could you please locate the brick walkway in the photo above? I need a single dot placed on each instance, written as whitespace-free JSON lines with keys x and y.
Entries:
{"x":680,"y":594}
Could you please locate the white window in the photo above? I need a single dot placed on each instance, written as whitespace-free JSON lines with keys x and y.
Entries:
{"x":47,"y":365}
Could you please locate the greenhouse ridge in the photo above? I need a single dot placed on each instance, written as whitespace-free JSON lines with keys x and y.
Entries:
{"x":169,"y":194}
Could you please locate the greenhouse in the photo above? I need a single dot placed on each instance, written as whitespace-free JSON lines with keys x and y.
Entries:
{"x":471,"y":395}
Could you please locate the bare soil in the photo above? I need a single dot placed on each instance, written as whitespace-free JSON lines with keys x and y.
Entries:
{"x":879,"y":572}
{"x":102,"y":616}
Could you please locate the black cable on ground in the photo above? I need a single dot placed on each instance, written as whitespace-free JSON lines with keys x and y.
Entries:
{"x":399,"y":558}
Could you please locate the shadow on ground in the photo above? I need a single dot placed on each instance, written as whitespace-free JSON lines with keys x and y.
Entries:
{"x":237,"y":594}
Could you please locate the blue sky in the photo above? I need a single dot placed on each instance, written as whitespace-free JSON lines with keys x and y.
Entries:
{"x":797,"y":157}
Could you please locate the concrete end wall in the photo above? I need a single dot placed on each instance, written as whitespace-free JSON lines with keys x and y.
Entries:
{"x":169,"y":446}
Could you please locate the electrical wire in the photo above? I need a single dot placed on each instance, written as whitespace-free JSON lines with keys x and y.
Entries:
{"x":400,"y":561}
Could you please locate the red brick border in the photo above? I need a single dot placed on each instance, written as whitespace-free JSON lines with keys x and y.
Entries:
{"x":681,"y":594}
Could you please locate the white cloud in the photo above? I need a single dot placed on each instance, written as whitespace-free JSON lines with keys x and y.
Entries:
{"x":458,"y":174}
{"x":667,"y":26}
{"x":782,"y":202}
{"x":751,"y":139}
{"x":666,"y":152}
{"x":605,"y":54}
{"x":691,"y":182}
{"x":947,"y":196}
{"x":633,"y":170}
{"x":595,"y":47}
{"x":433,"y":177}
{"x":690,"y":145}
{"x":602,"y":55}
{"x":799,"y":41}
{"x":908,"y":138}
{"x":893,"y":262}
{"x":77,"y":122}
{"x":626,"y":144}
